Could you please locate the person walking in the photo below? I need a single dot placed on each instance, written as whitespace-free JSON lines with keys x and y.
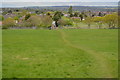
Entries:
{"x":56,"y":23}
{"x":53,"y":25}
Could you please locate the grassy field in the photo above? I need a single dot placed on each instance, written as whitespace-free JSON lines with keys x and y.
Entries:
{"x":74,"y":53}
{"x":0,"y":53}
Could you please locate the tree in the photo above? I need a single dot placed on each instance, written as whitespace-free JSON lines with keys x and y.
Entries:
{"x":25,"y":24}
{"x":45,"y":21}
{"x":99,"y":21}
{"x":57,"y":16}
{"x":10,"y":11}
{"x":76,"y":14}
{"x":17,"y":10}
{"x":119,"y":21}
{"x":1,"y":18}
{"x":71,"y":15}
{"x":76,"y":21}
{"x":23,"y":13}
{"x":88,"y":21}
{"x":84,"y":15}
{"x":40,"y":21}
{"x":65,"y":21}
{"x":9,"y":22}
{"x":48,"y":13}
{"x":81,"y":17}
{"x":27,"y":16}
{"x":16,"y":18}
{"x":37,"y":12}
{"x":4,"y":13}
{"x":70,"y":11}
{"x":111,"y":20}
{"x":100,"y":14}
{"x":34,"y":20}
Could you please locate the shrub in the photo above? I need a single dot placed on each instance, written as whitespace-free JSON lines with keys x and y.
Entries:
{"x":76,"y":20}
{"x":9,"y":22}
{"x":16,"y":18}
{"x":46,"y":21}
{"x":111,"y":20}
{"x":57,"y":16}
{"x":65,"y":21}
{"x":99,"y":21}
{"x":76,"y":14}
{"x":88,"y":21}
{"x":35,"y":20}
{"x":25,"y":24}
{"x":40,"y":21}
{"x":1,"y":18}
{"x":27,"y":16}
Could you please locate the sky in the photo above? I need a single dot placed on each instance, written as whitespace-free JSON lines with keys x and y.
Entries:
{"x":25,"y":3}
{"x":59,"y":0}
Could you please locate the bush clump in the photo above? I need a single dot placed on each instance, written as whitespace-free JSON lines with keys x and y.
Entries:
{"x":64,"y":21}
{"x":9,"y":22}
{"x":40,"y":21}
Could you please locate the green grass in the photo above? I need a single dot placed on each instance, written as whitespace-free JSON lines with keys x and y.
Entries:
{"x":92,"y":26}
{"x":60,"y":53}
{"x":0,"y":53}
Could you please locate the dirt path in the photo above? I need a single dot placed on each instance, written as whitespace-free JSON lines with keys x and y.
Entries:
{"x":101,"y":60}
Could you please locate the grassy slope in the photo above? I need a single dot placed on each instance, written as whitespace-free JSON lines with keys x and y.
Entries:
{"x":59,"y":53}
{"x":104,"y":43}
{"x":0,"y":53}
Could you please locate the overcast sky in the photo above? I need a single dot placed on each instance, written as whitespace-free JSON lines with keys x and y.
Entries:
{"x":24,"y":3}
{"x":59,"y":0}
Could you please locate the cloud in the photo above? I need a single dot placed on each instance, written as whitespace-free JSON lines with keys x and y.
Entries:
{"x":60,"y":0}
{"x":26,"y":4}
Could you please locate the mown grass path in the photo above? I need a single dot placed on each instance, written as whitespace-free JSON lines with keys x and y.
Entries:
{"x":100,"y":59}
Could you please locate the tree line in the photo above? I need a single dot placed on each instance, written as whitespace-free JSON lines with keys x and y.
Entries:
{"x":44,"y":19}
